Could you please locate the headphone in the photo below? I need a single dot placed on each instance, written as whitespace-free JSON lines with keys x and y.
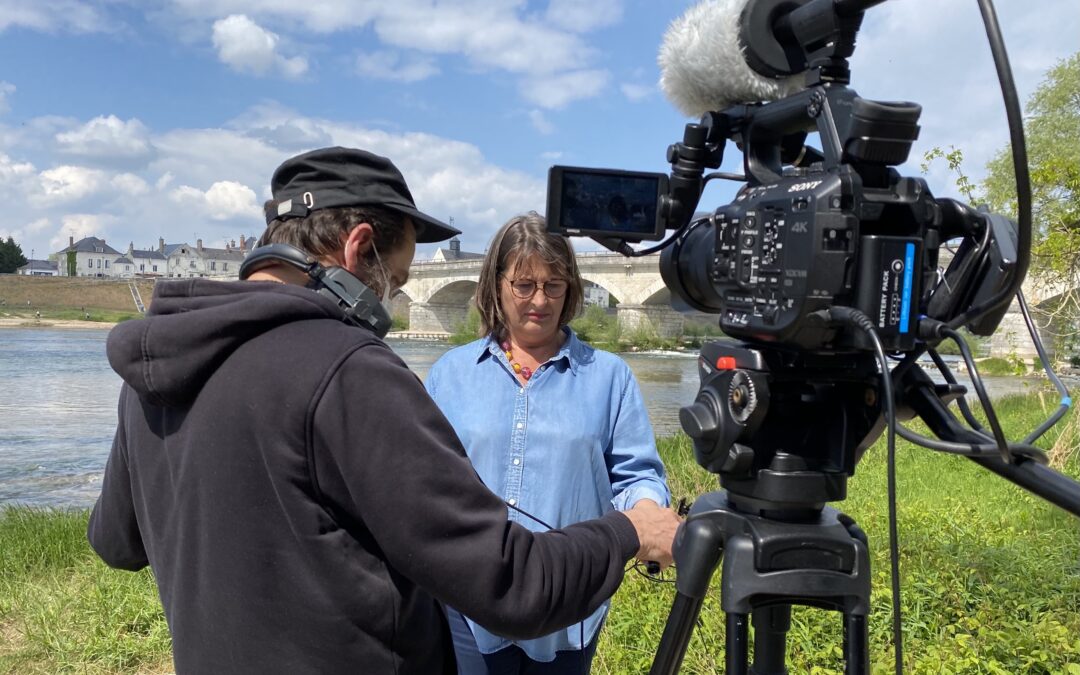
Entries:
{"x":361,"y":305}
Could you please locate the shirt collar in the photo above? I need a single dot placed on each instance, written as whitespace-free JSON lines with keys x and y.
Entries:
{"x":572,"y":350}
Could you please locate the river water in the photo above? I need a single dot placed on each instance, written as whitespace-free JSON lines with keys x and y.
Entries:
{"x":58,"y":407}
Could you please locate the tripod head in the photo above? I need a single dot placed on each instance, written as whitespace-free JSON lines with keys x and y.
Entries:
{"x":783,"y":429}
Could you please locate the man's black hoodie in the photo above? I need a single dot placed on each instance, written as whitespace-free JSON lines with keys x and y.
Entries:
{"x":303,"y":503}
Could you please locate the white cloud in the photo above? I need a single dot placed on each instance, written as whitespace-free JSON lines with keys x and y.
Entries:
{"x":321,"y":16}
{"x":129,"y":184}
{"x":20,"y":234}
{"x":69,"y":183}
{"x":223,"y":201}
{"x":551,"y":155}
{"x":501,"y":35}
{"x":556,"y":91}
{"x":6,"y":89}
{"x":637,"y":92}
{"x":11,"y":170}
{"x":56,"y":15}
{"x":540,"y":122}
{"x":77,"y":226}
{"x":107,"y":138}
{"x":390,"y":65}
{"x":215,"y":179}
{"x":579,"y":16}
{"x":246,"y":47}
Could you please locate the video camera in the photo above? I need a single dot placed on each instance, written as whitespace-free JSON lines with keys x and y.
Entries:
{"x":809,"y":231}
{"x":825,"y":265}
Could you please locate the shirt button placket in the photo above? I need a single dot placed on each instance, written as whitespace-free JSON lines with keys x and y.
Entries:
{"x":517,"y":447}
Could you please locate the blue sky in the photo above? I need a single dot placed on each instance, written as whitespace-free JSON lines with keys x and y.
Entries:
{"x":133,"y":120}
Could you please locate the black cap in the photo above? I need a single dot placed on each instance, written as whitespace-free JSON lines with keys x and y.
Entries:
{"x":336,"y":177}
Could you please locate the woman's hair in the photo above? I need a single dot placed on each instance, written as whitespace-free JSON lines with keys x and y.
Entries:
{"x":320,"y":233}
{"x":521,"y":238}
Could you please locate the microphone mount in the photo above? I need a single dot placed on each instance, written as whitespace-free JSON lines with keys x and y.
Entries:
{"x":781,"y":38}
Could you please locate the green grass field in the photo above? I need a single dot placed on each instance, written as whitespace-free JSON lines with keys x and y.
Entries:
{"x":990,"y":577}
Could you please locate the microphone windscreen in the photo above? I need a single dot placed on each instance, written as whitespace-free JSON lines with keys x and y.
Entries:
{"x":702,"y":67}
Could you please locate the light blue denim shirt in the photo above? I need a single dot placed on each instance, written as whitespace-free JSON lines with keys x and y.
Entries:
{"x":571,"y":445}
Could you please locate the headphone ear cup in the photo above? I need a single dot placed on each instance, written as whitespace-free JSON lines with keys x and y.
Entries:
{"x":361,"y":305}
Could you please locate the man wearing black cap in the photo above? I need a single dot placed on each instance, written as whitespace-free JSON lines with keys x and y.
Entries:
{"x":300,"y":499}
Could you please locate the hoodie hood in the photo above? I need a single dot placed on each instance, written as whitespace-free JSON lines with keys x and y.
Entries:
{"x":193,"y":325}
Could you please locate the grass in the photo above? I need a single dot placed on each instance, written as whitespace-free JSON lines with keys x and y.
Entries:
{"x":990,"y":579}
{"x":63,"y":611}
{"x":70,"y":294}
{"x":47,"y":314}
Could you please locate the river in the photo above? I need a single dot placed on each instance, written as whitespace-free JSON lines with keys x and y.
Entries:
{"x":58,"y":407}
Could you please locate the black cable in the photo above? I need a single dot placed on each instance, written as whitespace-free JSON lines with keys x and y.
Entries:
{"x":971,"y":449}
{"x":724,"y":175}
{"x":1020,"y":166}
{"x":581,"y":624}
{"x":1066,"y":400}
{"x":980,"y":390}
{"x":947,"y":373}
{"x":679,"y":232}
{"x":859,"y":320}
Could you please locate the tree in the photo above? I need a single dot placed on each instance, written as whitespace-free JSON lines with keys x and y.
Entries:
{"x":11,"y":256}
{"x":1052,"y":128}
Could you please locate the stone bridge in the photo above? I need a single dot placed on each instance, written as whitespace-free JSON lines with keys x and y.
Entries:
{"x":440,"y":292}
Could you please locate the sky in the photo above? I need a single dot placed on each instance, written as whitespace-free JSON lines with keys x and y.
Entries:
{"x":131,"y":120}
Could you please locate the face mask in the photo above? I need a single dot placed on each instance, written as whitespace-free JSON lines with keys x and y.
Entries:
{"x":388,"y":290}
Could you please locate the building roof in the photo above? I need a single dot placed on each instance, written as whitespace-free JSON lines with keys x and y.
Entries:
{"x":451,"y":254}
{"x":90,"y":245}
{"x":122,"y":260}
{"x":40,"y":265}
{"x":151,"y":255}
{"x":207,"y":252}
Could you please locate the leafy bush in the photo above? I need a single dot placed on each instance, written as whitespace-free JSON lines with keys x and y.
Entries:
{"x":598,"y":328}
{"x":468,"y":330}
{"x":1001,"y":366}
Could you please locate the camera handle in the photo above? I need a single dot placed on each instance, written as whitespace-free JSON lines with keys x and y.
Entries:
{"x":768,"y":566}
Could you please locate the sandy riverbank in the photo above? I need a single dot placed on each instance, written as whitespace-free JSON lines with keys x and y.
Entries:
{"x":58,"y":324}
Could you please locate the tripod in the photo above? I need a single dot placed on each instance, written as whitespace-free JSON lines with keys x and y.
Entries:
{"x":769,"y":565}
{"x":783,"y":431}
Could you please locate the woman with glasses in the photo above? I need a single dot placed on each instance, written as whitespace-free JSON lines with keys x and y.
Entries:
{"x":554,"y":426}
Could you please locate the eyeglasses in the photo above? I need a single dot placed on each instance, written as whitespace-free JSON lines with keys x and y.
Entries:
{"x":526,"y":288}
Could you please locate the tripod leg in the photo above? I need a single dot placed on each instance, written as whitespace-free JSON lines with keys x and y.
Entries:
{"x":856,"y":645}
{"x":680,"y":625}
{"x":737,"y":652}
{"x":771,"y":626}
{"x":698,"y":546}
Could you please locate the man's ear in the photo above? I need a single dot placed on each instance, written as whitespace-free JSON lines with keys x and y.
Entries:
{"x":357,"y":243}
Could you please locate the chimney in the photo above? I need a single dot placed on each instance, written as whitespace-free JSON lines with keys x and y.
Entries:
{"x":131,"y":249}
{"x":243,"y":246}
{"x":455,"y":246}
{"x":198,"y":245}
{"x":71,"y":240}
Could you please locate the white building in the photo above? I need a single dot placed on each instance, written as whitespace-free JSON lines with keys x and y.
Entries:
{"x":147,"y":263}
{"x":596,"y":296}
{"x":89,"y":257}
{"x":184,"y":260}
{"x":39,"y":268}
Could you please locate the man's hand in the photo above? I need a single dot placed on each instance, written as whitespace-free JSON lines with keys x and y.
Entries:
{"x":655,"y":528}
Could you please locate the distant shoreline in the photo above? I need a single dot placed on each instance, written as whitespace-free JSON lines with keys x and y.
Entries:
{"x":61,"y":324}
